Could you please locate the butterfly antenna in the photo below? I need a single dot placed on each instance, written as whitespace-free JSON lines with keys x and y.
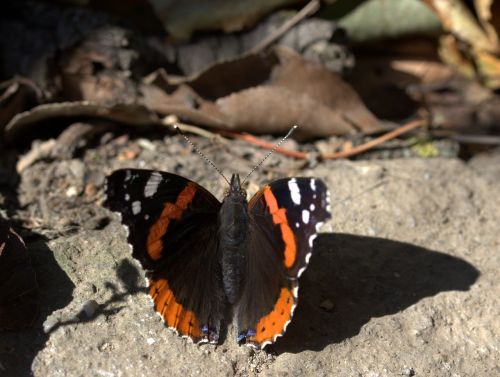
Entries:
{"x":201,"y":154}
{"x":294,"y":127}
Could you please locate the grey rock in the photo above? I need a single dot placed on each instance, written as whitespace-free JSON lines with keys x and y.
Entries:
{"x":422,"y":293}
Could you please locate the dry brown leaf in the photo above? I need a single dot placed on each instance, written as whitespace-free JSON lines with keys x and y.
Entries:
{"x":461,"y":105}
{"x":17,"y":95}
{"x":471,"y":45}
{"x":127,"y":114}
{"x":269,"y":109}
{"x":383,"y":82}
{"x":267,"y":94}
{"x":311,"y":79}
{"x":258,"y":93}
{"x":457,"y":19}
{"x":484,"y":13}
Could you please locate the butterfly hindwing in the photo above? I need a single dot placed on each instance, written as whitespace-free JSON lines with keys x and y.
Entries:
{"x":285,"y":217}
{"x":171,"y":223}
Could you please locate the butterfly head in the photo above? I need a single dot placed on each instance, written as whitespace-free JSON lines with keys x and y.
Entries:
{"x":235,"y":190}
{"x":235,"y":184}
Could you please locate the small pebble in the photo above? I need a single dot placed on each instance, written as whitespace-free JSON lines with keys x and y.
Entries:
{"x":408,"y":372}
{"x":127,"y":155}
{"x":146,"y":144}
{"x":71,"y":191}
{"x":90,"y":190}
{"x":150,"y":341}
{"x":104,"y":346}
{"x":90,"y":307}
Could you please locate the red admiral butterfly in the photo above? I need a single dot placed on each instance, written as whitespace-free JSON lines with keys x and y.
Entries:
{"x":204,"y":257}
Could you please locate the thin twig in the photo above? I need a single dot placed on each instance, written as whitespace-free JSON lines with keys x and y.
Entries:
{"x":172,"y":121}
{"x":468,"y":138}
{"x":373,"y":143}
{"x":329,"y":156}
{"x":310,"y":8}
{"x":265,"y":144}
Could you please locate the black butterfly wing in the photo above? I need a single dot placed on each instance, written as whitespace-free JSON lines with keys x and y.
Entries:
{"x":172,"y":230}
{"x":284,"y":220}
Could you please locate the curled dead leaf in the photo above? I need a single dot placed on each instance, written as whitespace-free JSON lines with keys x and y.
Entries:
{"x":127,"y":114}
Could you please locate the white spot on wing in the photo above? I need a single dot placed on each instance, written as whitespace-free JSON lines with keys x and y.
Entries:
{"x":294,"y":191}
{"x":313,"y":184}
{"x":136,"y":207}
{"x":127,"y":197}
{"x":318,"y":226}
{"x":328,"y":208}
{"x":312,"y":207}
{"x":301,"y":271}
{"x":312,"y":237}
{"x":297,"y":225}
{"x":152,"y":184}
{"x":305,"y":216}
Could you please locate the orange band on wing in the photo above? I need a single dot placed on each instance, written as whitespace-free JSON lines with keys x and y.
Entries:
{"x":279,"y":218}
{"x":275,"y":322}
{"x":171,"y":211}
{"x":174,"y":314}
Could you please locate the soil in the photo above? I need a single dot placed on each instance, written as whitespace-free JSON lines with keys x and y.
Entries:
{"x":403,"y":281}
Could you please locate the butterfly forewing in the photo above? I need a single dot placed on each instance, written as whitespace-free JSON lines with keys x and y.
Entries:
{"x":152,"y":204}
{"x":295,"y":208}
{"x":285,"y":217}
{"x":171,"y":225}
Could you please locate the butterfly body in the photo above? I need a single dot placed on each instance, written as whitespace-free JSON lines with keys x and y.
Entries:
{"x":233,"y":234}
{"x":203,"y":257}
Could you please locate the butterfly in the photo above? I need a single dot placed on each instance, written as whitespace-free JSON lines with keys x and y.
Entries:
{"x":205,"y":260}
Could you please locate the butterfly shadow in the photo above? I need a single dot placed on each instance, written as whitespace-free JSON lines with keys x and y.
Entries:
{"x":18,"y":348}
{"x":128,"y":275}
{"x":352,"y":279}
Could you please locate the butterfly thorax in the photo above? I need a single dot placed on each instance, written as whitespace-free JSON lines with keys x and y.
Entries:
{"x":233,"y":232}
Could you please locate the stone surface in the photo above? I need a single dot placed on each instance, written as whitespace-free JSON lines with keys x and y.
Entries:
{"x":411,"y":269}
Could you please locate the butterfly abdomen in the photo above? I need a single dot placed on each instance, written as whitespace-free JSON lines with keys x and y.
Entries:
{"x":233,"y":233}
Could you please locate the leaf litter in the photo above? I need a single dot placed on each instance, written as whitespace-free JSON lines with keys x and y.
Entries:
{"x":96,"y":95}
